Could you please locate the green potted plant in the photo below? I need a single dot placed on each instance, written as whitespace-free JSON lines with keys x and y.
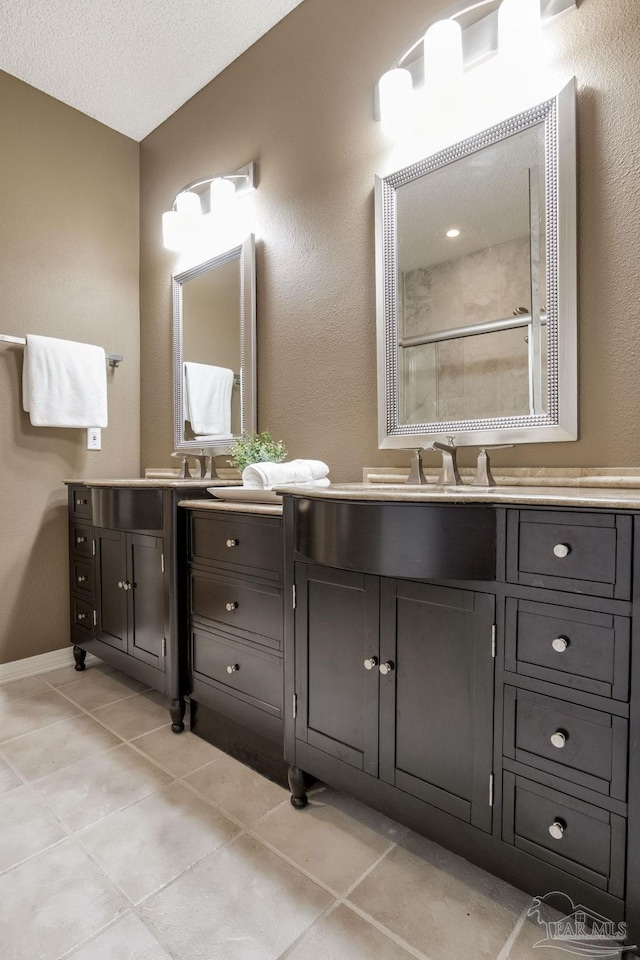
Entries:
{"x":256,"y":448}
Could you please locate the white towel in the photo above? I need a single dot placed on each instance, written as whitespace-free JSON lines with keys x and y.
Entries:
{"x":64,"y":384}
{"x":266,"y":475}
{"x":207,"y":398}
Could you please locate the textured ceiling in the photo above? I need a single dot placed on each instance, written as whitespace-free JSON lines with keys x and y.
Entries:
{"x":129,"y":63}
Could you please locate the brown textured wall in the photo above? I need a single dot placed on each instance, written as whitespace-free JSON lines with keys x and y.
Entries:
{"x":300,"y":102}
{"x":69,"y":240}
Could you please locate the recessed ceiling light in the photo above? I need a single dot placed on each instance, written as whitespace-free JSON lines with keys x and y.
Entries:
{"x":453,"y":232}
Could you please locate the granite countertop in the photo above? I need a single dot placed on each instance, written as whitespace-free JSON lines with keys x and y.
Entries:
{"x":154,"y":482}
{"x":606,"y":497}
{"x":233,"y":506}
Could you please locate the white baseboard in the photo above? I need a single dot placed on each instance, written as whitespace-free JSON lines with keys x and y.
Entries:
{"x":30,"y":666}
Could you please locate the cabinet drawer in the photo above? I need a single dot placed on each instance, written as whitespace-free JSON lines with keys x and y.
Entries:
{"x":586,"y":746}
{"x":82,"y":613}
{"x":581,"y":649}
{"x":580,"y":552}
{"x":256,"y":608}
{"x":237,"y":667}
{"x":80,"y":539}
{"x":575,"y":836}
{"x":80,"y":502}
{"x":240,"y":544}
{"x":82,"y":576}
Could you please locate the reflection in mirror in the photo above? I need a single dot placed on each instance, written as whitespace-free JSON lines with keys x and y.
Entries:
{"x":476,"y":287}
{"x":214,"y":350}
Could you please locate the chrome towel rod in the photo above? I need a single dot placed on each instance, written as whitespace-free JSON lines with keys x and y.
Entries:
{"x":113,"y":358}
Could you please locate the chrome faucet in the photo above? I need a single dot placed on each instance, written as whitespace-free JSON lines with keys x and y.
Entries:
{"x":416,"y":473}
{"x":449,"y":475}
{"x":484,"y":477}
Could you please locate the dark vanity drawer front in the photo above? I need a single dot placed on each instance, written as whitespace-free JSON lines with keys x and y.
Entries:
{"x":80,"y":537}
{"x":82,"y":576}
{"x":256,"y":608}
{"x":583,"y":553}
{"x":240,"y":544}
{"x":575,"y":836}
{"x":576,"y":743}
{"x":581,"y":649}
{"x":80,"y":502}
{"x":238,"y":668}
{"x":82,"y":613}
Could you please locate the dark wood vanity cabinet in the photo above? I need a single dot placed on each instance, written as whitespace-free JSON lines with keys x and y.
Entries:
{"x":498,"y":714}
{"x":234,"y":637}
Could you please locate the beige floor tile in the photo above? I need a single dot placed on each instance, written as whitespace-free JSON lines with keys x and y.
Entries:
{"x":8,"y":779}
{"x":53,"y":902}
{"x":32,"y":713}
{"x":126,"y":939}
{"x":535,"y":939}
{"x":149,"y":843}
{"x":97,"y":786}
{"x":42,"y":752}
{"x":237,"y":789}
{"x":241,"y":903}
{"x":334,"y":838}
{"x":27,"y":827}
{"x":133,"y":717}
{"x":439,"y":903}
{"x":180,"y":753}
{"x":343,"y":935}
{"x":18,"y":689}
{"x":97,"y":689}
{"x":64,"y":675}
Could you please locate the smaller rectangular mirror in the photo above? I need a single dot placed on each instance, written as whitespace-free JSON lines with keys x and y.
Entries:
{"x":214,"y":346}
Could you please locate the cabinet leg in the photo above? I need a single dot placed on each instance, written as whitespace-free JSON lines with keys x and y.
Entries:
{"x":176,"y":709}
{"x":79,"y":655}
{"x":298,"y":786}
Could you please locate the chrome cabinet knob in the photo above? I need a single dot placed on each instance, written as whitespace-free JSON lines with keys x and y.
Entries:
{"x":562,"y":550}
{"x":559,"y":738}
{"x":232,"y":605}
{"x":370,"y":663}
{"x":81,"y":539}
{"x":386,"y":668}
{"x":81,"y":503}
{"x":233,"y":668}
{"x":557,"y":829}
{"x":560,"y":644}
{"x":81,"y":579}
{"x":82,"y":616}
{"x":121,"y":584}
{"x":232,"y":543}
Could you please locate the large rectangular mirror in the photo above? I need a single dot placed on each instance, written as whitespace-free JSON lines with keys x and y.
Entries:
{"x":476,"y":287}
{"x":214,"y":346}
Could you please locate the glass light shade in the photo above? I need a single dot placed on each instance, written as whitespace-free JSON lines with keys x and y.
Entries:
{"x":188,"y":204}
{"x":395,"y":92}
{"x":519,"y":29}
{"x":222,"y":193}
{"x":173,"y":230}
{"x":443,"y":59}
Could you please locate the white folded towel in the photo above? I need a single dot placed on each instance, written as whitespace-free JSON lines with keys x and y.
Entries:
{"x":64,"y":384}
{"x":207,"y":398}
{"x":266,"y":475}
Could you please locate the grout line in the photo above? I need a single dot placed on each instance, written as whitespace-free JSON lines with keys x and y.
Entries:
{"x":292,"y":946}
{"x":513,"y":936}
{"x":380,"y":927}
{"x":32,"y":856}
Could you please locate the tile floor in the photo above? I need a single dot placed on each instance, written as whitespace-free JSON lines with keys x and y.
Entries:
{"x":121,"y":841}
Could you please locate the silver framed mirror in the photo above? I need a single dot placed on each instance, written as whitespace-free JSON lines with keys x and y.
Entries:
{"x":476,"y":287}
{"x":214,"y":350}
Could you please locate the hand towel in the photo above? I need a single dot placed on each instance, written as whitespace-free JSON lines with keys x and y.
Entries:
{"x":207,"y":398}
{"x":64,"y":384}
{"x":300,"y":472}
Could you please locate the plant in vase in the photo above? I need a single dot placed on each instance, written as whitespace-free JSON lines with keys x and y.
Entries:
{"x":256,"y":448}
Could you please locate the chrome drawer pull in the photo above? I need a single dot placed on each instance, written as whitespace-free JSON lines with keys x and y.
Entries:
{"x":81,"y":579}
{"x":559,"y":738}
{"x":121,"y":584}
{"x":557,"y":829}
{"x":371,"y":663}
{"x":81,"y":539}
{"x":82,"y":616}
{"x":233,"y":668}
{"x":560,"y":644}
{"x":232,"y":605}
{"x":386,"y":668}
{"x":81,"y":503}
{"x":562,"y":550}
{"x":232,"y":543}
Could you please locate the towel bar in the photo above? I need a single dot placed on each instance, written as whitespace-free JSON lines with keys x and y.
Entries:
{"x":113,"y":358}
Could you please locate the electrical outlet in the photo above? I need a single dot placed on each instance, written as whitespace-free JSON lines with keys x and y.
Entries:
{"x":94,"y":438}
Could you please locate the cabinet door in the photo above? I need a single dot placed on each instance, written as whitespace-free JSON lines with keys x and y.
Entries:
{"x":146,"y":598}
{"x":336,"y":625}
{"x":111,"y":597}
{"x":436,"y":696}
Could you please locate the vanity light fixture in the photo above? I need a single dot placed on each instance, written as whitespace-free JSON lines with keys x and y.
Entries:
{"x":453,"y":233}
{"x":204,"y":203}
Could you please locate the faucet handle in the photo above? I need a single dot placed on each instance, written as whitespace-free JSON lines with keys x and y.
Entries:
{"x":484,"y":477}
{"x":416,"y":473}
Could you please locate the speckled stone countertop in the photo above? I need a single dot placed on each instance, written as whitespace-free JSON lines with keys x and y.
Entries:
{"x":162,"y":482}
{"x":605,"y":497}
{"x":233,"y":506}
